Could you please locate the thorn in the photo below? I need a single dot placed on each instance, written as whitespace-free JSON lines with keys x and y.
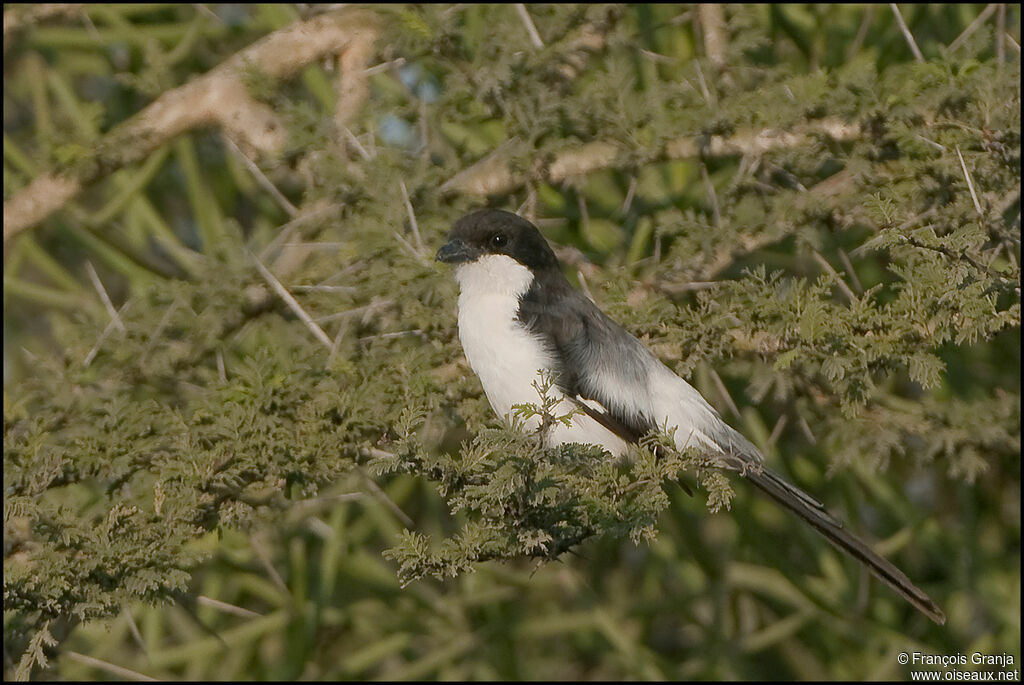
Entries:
{"x":970,"y":182}
{"x":524,"y":14}
{"x":98,"y":284}
{"x":906,"y":33}
{"x":292,"y":303}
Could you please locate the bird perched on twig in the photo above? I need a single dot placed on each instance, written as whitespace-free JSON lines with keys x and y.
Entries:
{"x":519,"y":319}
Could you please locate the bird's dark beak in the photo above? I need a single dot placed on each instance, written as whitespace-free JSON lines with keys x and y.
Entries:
{"x":456,"y":252}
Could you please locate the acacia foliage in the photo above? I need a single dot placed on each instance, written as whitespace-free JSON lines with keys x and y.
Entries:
{"x":858,"y":298}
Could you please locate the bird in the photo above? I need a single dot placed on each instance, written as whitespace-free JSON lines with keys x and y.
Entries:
{"x":519,"y":320}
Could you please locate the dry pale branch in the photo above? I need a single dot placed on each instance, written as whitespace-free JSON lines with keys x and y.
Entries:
{"x":492,"y":175}
{"x":25,"y":15}
{"x":907,"y":35}
{"x":712,"y":25}
{"x":219,"y":97}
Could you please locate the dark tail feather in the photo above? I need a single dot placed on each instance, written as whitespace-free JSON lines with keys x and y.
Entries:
{"x":813,"y":512}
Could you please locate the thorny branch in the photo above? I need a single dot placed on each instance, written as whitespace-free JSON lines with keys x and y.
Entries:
{"x":219,"y":98}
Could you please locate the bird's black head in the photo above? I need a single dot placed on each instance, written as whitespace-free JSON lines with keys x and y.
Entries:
{"x":495,"y":232}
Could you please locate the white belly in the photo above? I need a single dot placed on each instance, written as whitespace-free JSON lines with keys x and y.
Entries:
{"x":506,"y":357}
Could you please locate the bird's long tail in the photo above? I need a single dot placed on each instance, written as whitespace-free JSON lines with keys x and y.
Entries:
{"x":813,"y":512}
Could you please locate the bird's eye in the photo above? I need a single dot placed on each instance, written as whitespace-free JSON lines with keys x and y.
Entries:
{"x":499,"y":240}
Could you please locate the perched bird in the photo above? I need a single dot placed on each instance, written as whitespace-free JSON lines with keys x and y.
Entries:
{"x":519,"y":317}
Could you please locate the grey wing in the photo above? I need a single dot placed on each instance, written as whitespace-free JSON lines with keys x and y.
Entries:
{"x":598,"y":362}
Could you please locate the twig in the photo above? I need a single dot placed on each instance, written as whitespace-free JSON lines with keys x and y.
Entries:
{"x":777,"y":430}
{"x":225,"y":607}
{"x":1014,"y":44}
{"x":970,"y":182}
{"x":133,"y":628}
{"x":26,"y":15}
{"x":493,"y":175}
{"x":103,"y":336}
{"x":972,"y":27}
{"x":708,"y":97}
{"x":222,"y":372}
{"x":709,"y":188}
{"x":630,"y":192}
{"x":383,"y":496}
{"x":409,"y":246}
{"x":412,"y":216}
{"x":261,"y":553}
{"x":355,"y":141}
{"x":158,"y":331}
{"x":292,"y":303}
{"x":942,"y":249}
{"x":808,"y":433}
{"x":906,"y":33}
{"x":262,"y":179}
{"x":688,"y":286}
{"x":95,"y":278}
{"x":583,"y":284}
{"x":324,"y":288}
{"x":524,"y":14}
{"x":383,"y":66}
{"x":724,"y":392}
{"x":850,"y":295}
{"x":848,"y":265}
{"x":108,"y":667}
{"x":712,"y":24}
{"x":286,"y":230}
{"x":394,"y":334}
{"x":1000,"y":32}
{"x":380,"y":304}
{"x":862,"y":32}
{"x":218,"y":97}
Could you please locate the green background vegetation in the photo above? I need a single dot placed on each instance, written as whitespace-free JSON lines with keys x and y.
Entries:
{"x":198,"y":484}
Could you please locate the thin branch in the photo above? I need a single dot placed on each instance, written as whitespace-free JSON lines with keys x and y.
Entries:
{"x":225,"y":607}
{"x":1000,"y":33}
{"x":384,"y":66}
{"x":286,"y":230}
{"x":1014,"y":44}
{"x":862,"y":32}
{"x":292,"y":303}
{"x":709,"y":189}
{"x":972,"y":27}
{"x":712,"y":23}
{"x":17,"y":18}
{"x":705,"y":91}
{"x":493,"y":175}
{"x":218,"y":97}
{"x":383,"y":497}
{"x":222,"y":373}
{"x":630,"y":193}
{"x":103,"y":336}
{"x":777,"y":430}
{"x":133,"y":628}
{"x":724,"y":392}
{"x":806,"y":428}
{"x":262,"y":179}
{"x":970,"y":182}
{"x":98,"y":284}
{"x":108,"y":667}
{"x":261,"y":553}
{"x":412,"y":216}
{"x":524,"y":14}
{"x":848,"y":265}
{"x":906,"y":33}
{"x":850,"y":295}
{"x":355,"y":142}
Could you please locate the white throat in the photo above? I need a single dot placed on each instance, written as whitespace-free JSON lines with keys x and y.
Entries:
{"x":504,"y":354}
{"x":493,"y":275}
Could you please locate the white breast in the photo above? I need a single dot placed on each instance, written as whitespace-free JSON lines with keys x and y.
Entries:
{"x":505,"y":355}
